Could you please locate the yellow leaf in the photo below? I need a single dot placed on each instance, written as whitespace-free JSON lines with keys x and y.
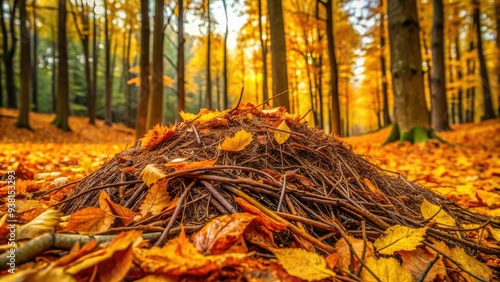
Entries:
{"x":150,"y":174}
{"x":303,"y":264}
{"x":156,"y":199}
{"x":399,"y":238}
{"x":438,"y":215}
{"x":386,"y":270}
{"x":45,"y":222}
{"x":370,"y":186}
{"x":282,"y":136}
{"x":237,"y":143}
{"x":466,"y":262}
{"x":187,"y":116}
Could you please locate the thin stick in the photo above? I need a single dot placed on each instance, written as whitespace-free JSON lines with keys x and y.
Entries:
{"x":174,"y":216}
{"x":275,"y":96}
{"x":196,"y":133}
{"x":218,"y":196}
{"x":237,"y":105}
{"x":282,"y":196}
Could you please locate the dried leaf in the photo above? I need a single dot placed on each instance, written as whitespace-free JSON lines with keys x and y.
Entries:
{"x":150,"y":174}
{"x":399,"y":238}
{"x":90,"y":220}
{"x":303,"y":264}
{"x":221,"y":233}
{"x":280,"y":135}
{"x":342,"y":256}
{"x":156,"y":199}
{"x":44,"y":223}
{"x":416,"y":262}
{"x":184,"y":166}
{"x":125,"y":215}
{"x":158,"y":134}
{"x":237,"y":143}
{"x":438,"y":215}
{"x":385,"y":269}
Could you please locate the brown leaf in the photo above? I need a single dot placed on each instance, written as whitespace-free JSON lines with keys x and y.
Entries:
{"x":90,"y":220}
{"x":125,"y":215}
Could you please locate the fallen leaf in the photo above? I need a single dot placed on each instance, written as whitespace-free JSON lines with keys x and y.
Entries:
{"x":280,"y":135}
{"x":237,"y":143}
{"x":303,"y":264}
{"x":44,"y":223}
{"x":125,"y":215}
{"x":158,"y":134}
{"x":438,"y":215}
{"x":156,"y":199}
{"x":399,"y":238}
{"x":90,"y":220}
{"x":386,"y":270}
{"x":184,"y":166}
{"x":342,"y":256}
{"x":417,"y":261}
{"x":150,"y":174}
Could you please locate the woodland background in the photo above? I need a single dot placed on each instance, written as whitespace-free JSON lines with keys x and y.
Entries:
{"x":200,"y":53}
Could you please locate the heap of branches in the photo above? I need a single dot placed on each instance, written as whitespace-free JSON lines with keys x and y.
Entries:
{"x":313,"y":181}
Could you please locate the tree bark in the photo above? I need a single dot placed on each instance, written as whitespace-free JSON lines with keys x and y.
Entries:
{"x":180,"y":59}
{"x":62,"y":108}
{"x":278,"y":53}
{"x":438,"y":83}
{"x":155,"y":107}
{"x":126,"y":74}
{"x":34,"y":62}
{"x":23,"y":120}
{"x":107,"y":70}
{"x":142,"y":108}
{"x":93,"y":84}
{"x":383,"y":68}
{"x":53,"y":90}
{"x":9,"y":49}
{"x":489,"y":113}
{"x":497,"y":43}
{"x":226,"y":90}
{"x":208,"y":90}
{"x":411,"y":119}
{"x":263,"y":46}
{"x":334,"y":79}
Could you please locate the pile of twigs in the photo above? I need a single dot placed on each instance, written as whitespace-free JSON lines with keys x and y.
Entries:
{"x":313,"y":179}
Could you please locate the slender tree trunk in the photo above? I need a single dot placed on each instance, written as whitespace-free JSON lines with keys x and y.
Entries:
{"x":54,"y":74}
{"x":34,"y":62}
{"x":263,"y":46}
{"x":438,"y":87}
{"x":489,"y":113}
{"x":155,"y":107}
{"x":126,"y":74}
{"x":62,"y":110}
{"x":226,"y":90}
{"x":1,"y":86}
{"x":383,"y":68}
{"x":278,"y":53}
{"x":142,"y":108}
{"x":460,"y":110}
{"x":23,"y":120}
{"x":411,"y":119}
{"x":9,"y":49}
{"x":107,"y":70}
{"x":311,"y":94}
{"x":471,"y":91}
{"x":180,"y":59}
{"x":334,"y":87}
{"x":208,"y":91}
{"x":95,"y":62}
{"x":497,"y":43}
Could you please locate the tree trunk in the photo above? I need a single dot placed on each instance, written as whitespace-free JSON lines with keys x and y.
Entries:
{"x":9,"y":49}
{"x":497,"y":43}
{"x":34,"y":62}
{"x":334,"y":79}
{"x":383,"y":68}
{"x":107,"y":70}
{"x":180,"y":59}
{"x":23,"y":120}
{"x":54,"y":74}
{"x":226,"y":90}
{"x":1,"y":86}
{"x":438,"y":86}
{"x":208,"y":90}
{"x":489,"y":113}
{"x":155,"y":107}
{"x":62,"y":109}
{"x":263,"y":46}
{"x":93,"y":84}
{"x":278,"y":53}
{"x":126,"y":74}
{"x":411,"y":119}
{"x":142,"y":108}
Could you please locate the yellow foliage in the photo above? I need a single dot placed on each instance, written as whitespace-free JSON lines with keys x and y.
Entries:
{"x":280,"y":135}
{"x":156,"y":199}
{"x":150,"y":174}
{"x":237,"y":143}
{"x":386,"y":270}
{"x":399,"y":238}
{"x":303,"y":264}
{"x":438,"y":215}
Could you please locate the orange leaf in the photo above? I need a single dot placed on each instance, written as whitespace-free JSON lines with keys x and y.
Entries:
{"x":222,"y":232}
{"x":158,"y":134}
{"x":90,"y":220}
{"x":262,"y":218}
{"x":156,"y":199}
{"x":126,"y":215}
{"x":416,"y":262}
{"x":184,"y":166}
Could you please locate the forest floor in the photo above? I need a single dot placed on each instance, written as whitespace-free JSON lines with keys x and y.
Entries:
{"x":466,"y":170}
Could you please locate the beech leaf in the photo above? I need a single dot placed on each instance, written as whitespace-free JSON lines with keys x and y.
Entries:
{"x":237,"y":143}
{"x":303,"y":264}
{"x":399,"y":238}
{"x":150,"y":174}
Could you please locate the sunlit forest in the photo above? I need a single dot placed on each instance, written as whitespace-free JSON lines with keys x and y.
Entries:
{"x":249,"y":140}
{"x":332,"y":57}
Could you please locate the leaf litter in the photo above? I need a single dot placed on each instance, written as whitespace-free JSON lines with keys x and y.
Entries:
{"x":280,"y":189}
